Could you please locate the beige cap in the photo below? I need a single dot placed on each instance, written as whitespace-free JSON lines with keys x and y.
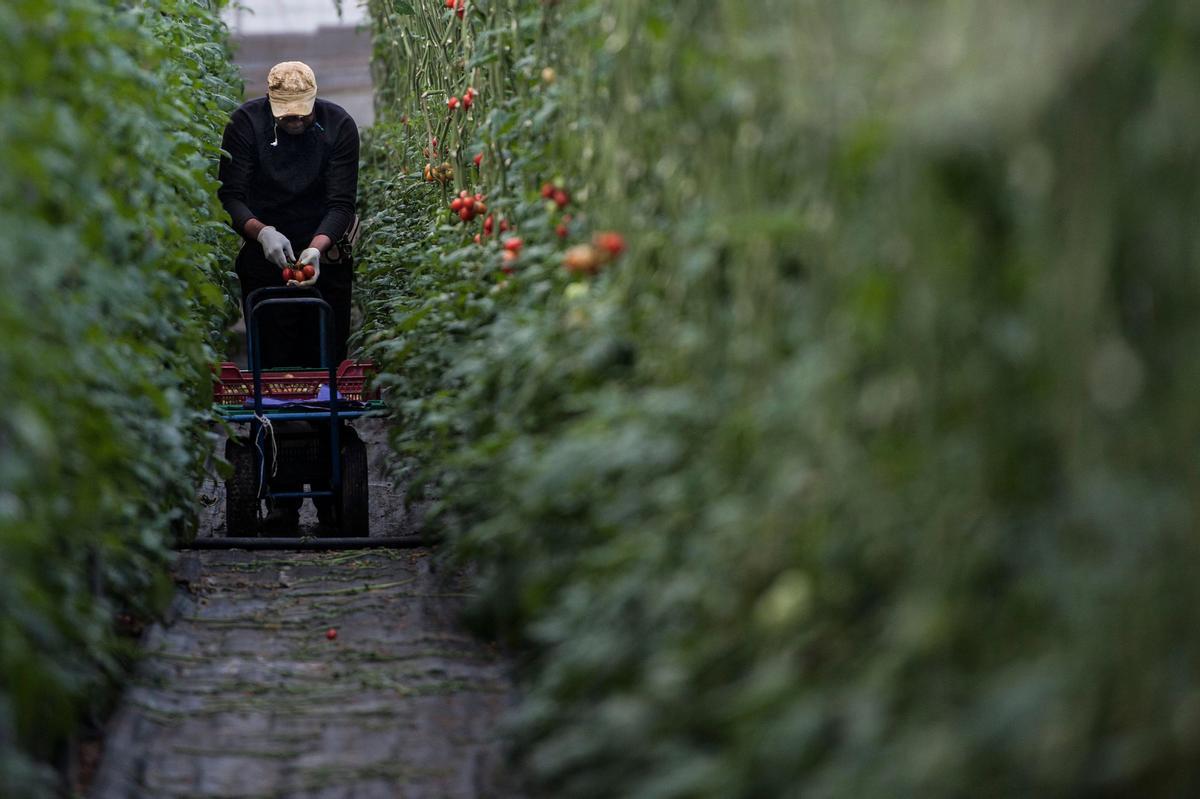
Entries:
{"x":292,"y":89}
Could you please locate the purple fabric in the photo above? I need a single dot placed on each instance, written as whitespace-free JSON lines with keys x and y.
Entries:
{"x":322,"y":398}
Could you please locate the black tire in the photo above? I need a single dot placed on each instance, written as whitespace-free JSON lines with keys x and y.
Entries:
{"x":354,"y":511}
{"x":241,"y":491}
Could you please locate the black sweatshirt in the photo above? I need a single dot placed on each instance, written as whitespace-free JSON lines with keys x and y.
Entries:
{"x":303,"y":185}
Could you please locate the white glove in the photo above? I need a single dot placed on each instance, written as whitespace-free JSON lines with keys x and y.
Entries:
{"x":310,"y":257}
{"x":276,"y":247}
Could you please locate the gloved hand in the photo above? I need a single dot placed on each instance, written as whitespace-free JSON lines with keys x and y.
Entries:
{"x":276,"y":247}
{"x":310,"y":257}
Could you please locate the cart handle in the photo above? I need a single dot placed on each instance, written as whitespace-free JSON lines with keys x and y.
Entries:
{"x":325,"y":311}
{"x":271,"y":291}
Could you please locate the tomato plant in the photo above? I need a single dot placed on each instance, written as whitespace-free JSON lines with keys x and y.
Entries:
{"x":117,"y":292}
{"x":834,"y":443}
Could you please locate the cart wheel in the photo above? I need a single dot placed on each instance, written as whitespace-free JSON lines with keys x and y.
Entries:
{"x":354,"y":517}
{"x":241,"y":491}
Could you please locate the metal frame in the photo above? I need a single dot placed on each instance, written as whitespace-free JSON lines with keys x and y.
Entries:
{"x":287,"y":295}
{"x":279,"y":295}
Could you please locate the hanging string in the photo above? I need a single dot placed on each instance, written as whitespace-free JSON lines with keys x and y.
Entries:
{"x":267,"y":430}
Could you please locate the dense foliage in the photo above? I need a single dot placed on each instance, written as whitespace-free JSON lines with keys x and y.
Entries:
{"x":869,"y":469}
{"x":112,"y":300}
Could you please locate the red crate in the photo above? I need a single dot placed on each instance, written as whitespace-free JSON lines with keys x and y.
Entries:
{"x":233,"y":386}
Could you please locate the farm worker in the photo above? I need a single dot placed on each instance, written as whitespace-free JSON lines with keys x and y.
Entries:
{"x":289,"y":184}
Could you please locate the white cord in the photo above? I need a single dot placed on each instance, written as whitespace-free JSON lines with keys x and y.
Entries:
{"x":276,"y":142}
{"x":262,"y":457}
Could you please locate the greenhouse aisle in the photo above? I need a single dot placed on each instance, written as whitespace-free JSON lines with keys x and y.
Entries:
{"x":311,"y":675}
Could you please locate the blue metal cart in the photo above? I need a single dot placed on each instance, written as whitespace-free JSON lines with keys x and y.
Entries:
{"x":297,"y":436}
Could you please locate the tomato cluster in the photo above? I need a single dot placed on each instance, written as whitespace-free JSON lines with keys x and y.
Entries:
{"x":588,"y":259}
{"x":489,"y":225}
{"x":439,"y":174}
{"x":298,"y":273}
{"x":468,"y":207}
{"x":556,"y":193}
{"x":468,"y":98}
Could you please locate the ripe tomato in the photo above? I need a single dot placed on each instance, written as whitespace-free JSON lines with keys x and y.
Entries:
{"x":464,"y":214}
{"x":331,"y":633}
{"x":547,"y":191}
{"x":309,"y":270}
{"x":487,"y":225}
{"x":464,"y":194}
{"x":287,"y":275}
{"x":561,"y":198}
{"x":513,"y":244}
{"x":452,"y":103}
{"x":610,"y":242}
{"x":456,"y":204}
{"x":478,"y":159}
{"x":480,"y":208}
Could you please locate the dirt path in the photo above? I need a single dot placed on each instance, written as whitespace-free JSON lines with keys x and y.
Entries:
{"x":243,"y":694}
